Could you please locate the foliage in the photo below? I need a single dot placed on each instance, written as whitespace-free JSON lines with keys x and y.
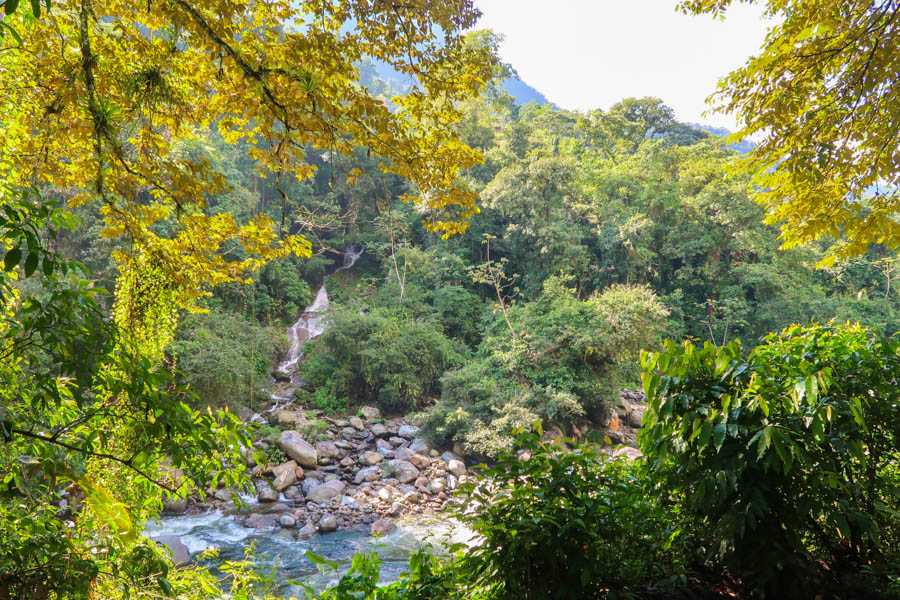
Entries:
{"x":381,"y":357}
{"x":786,"y":459}
{"x":220,"y":356}
{"x":565,"y":523}
{"x":825,"y":118}
{"x":569,"y":357}
{"x":322,"y":399}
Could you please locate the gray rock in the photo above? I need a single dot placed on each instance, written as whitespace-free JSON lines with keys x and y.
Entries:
{"x":307,"y":532}
{"x":175,"y":505}
{"x":181,"y":556}
{"x":405,"y":471}
{"x":357,"y":423}
{"x":326,"y":491}
{"x":293,"y":492}
{"x":459,"y":449}
{"x":436,"y":486}
{"x":285,"y":475}
{"x":267,"y":494}
{"x":378,"y":429}
{"x":370,"y":413}
{"x":370,"y":458}
{"x":327,"y":450}
{"x":408,"y":431}
{"x":309,"y":484}
{"x":299,"y":449}
{"x":419,"y":446}
{"x":383,"y":445}
{"x":368,"y":474}
{"x":452,"y":482}
{"x":396,"y":441}
{"x":328,"y":523}
{"x":277,"y":507}
{"x":456,"y":467}
{"x":448,"y":456}
{"x":628,"y":452}
{"x":381,"y":527}
{"x":289,"y":417}
{"x":634,"y":418}
{"x":287,"y":521}
{"x":404,"y":454}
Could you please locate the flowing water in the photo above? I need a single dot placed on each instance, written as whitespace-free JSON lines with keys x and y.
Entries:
{"x":287,"y":557}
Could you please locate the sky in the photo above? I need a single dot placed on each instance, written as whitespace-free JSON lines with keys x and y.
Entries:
{"x":586,"y":54}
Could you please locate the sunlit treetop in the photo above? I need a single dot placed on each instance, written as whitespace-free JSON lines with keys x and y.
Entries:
{"x":103,"y":99}
{"x":823,"y":99}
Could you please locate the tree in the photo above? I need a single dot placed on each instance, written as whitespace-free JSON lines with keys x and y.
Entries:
{"x":824,"y":99}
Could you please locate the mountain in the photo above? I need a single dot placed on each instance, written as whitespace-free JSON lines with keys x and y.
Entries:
{"x":522,"y":92}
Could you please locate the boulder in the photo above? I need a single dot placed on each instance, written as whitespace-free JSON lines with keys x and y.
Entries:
{"x":378,"y":429}
{"x":381,"y":527}
{"x":405,"y":471}
{"x":307,"y":532}
{"x":419,"y":446}
{"x":267,"y":494}
{"x":448,"y":456}
{"x":293,"y":444}
{"x":456,"y":467}
{"x":404,"y":454}
{"x":459,"y":449}
{"x":327,"y":450}
{"x":634,"y":418}
{"x":328,"y":523}
{"x":383,"y":445}
{"x":291,"y":418}
{"x":287,"y":521}
{"x":175,"y":505}
{"x":370,"y":413}
{"x":370,"y":458}
{"x":292,"y":493}
{"x":396,"y":441}
{"x":628,"y":452}
{"x":408,"y":431}
{"x":326,"y":491}
{"x":309,"y":484}
{"x":357,"y":423}
{"x":285,"y":475}
{"x":419,"y":461}
{"x":181,"y":556}
{"x":368,"y":474}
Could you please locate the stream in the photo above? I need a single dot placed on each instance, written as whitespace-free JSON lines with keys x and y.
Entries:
{"x":278,"y":550}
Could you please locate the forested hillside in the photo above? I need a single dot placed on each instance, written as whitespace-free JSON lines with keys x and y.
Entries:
{"x":283,"y":278}
{"x":598,"y":235}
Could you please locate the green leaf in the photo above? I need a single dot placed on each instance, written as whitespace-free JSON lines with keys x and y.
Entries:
{"x":719,"y":432}
{"x":36,"y":8}
{"x":12,"y":258}
{"x":10,"y":6}
{"x":31,"y":263}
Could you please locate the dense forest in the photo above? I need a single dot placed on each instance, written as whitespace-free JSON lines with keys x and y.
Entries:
{"x":519,"y":272}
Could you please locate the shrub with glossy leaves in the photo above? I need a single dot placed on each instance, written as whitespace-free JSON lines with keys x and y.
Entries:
{"x":784,"y":458}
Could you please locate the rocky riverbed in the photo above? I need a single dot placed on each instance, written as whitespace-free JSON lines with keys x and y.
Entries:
{"x":360,"y":472}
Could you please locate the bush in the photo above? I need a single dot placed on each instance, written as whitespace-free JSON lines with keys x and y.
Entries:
{"x":787,"y":459}
{"x":565,"y":525}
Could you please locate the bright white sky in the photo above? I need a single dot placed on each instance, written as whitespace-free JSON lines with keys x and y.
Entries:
{"x":585,"y":54}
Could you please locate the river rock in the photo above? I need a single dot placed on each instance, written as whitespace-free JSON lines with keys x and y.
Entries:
{"x":628,"y":452}
{"x":459,"y":449}
{"x":370,"y":458}
{"x":309,"y":484}
{"x":277,"y":507}
{"x":267,"y":494}
{"x":419,"y":446}
{"x":370,"y":413}
{"x":403,"y":454}
{"x":456,"y":467}
{"x":419,"y":461}
{"x":293,"y":493}
{"x":436,"y":486}
{"x":347,"y":462}
{"x":634,"y":418}
{"x":452,"y":482}
{"x":381,"y":527}
{"x":307,"y":532}
{"x":291,"y":418}
{"x":448,"y":456}
{"x":405,"y":471}
{"x":285,"y":475}
{"x":287,"y":521}
{"x":368,"y":474}
{"x":181,"y":556}
{"x":357,"y":423}
{"x":378,"y":429}
{"x":383,"y":445}
{"x":326,"y":491}
{"x":384,"y":494}
{"x":328,"y":523}
{"x":408,"y":431}
{"x":327,"y":450}
{"x":293,"y":444}
{"x":396,"y":441}
{"x":175,"y":505}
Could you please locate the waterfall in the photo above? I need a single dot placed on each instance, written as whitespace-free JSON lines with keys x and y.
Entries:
{"x":311,"y":324}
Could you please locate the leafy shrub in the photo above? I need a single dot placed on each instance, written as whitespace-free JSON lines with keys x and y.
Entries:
{"x":787,"y":459}
{"x":381,"y":356}
{"x":565,"y":525}
{"x":218,"y":353}
{"x":322,"y":399}
{"x":567,"y":357}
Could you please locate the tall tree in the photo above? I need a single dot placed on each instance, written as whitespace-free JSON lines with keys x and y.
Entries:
{"x":823,"y":98}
